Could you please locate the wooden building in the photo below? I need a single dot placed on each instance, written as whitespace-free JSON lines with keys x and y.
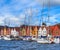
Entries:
{"x":55,"y":30}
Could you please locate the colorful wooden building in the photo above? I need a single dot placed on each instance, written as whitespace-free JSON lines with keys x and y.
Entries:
{"x":34,"y":31}
{"x":1,"y":30}
{"x":30,"y":30}
{"x":55,"y":30}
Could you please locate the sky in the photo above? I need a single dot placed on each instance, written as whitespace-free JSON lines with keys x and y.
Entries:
{"x":15,"y":13}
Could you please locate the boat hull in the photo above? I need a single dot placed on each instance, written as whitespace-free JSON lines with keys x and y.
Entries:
{"x":6,"y":38}
{"x":43,"y":41}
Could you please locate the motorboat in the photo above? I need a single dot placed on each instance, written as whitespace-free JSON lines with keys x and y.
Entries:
{"x":0,"y":37}
{"x":44,"y":41}
{"x":34,"y":38}
{"x":57,"y":39}
{"x":27,"y":38}
{"x":7,"y":37}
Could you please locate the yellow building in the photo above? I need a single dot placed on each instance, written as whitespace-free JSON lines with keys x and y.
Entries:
{"x":23,"y":32}
{"x":5,"y":31}
{"x":35,"y":31}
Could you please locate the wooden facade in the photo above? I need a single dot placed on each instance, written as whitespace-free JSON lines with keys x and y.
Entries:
{"x":30,"y":30}
{"x":55,"y":30}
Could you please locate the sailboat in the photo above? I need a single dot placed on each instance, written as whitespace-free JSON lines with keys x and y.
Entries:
{"x":28,"y":37}
{"x":42,"y":35}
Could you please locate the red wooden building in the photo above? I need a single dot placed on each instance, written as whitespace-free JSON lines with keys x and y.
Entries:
{"x":55,"y":30}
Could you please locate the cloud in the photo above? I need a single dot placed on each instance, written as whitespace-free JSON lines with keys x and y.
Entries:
{"x":11,"y":20}
{"x":1,"y":21}
{"x":53,"y":19}
{"x":13,"y":11}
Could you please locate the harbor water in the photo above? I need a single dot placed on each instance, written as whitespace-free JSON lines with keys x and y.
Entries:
{"x":25,"y":45}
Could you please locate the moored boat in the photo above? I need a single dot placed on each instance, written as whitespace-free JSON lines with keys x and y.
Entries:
{"x":34,"y":39}
{"x":0,"y":37}
{"x":43,"y":37}
{"x":44,"y":41}
{"x":27,"y":38}
{"x":57,"y":39}
{"x":14,"y":35}
{"x":7,"y":37}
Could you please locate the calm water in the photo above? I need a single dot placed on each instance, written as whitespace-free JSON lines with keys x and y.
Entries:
{"x":24,"y":45}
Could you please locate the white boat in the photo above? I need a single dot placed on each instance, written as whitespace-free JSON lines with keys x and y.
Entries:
{"x":56,"y":40}
{"x":27,"y":38}
{"x":0,"y":37}
{"x":7,"y":37}
{"x":42,"y":36}
{"x":44,"y":41}
{"x":34,"y":38}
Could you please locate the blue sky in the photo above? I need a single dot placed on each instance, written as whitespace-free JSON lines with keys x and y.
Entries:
{"x":18,"y":12}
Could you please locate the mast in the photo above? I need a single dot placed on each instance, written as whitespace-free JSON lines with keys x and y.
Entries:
{"x":48,"y":10}
{"x":9,"y":27}
{"x":30,"y":15}
{"x":42,"y":13}
{"x":25,"y":24}
{"x":48,"y":15}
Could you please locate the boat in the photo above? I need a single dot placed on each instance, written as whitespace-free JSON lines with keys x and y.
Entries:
{"x":7,"y":37}
{"x":57,"y":39}
{"x":43,"y":37}
{"x":43,"y":41}
{"x":34,"y":38}
{"x":27,"y":38}
{"x":0,"y":37}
